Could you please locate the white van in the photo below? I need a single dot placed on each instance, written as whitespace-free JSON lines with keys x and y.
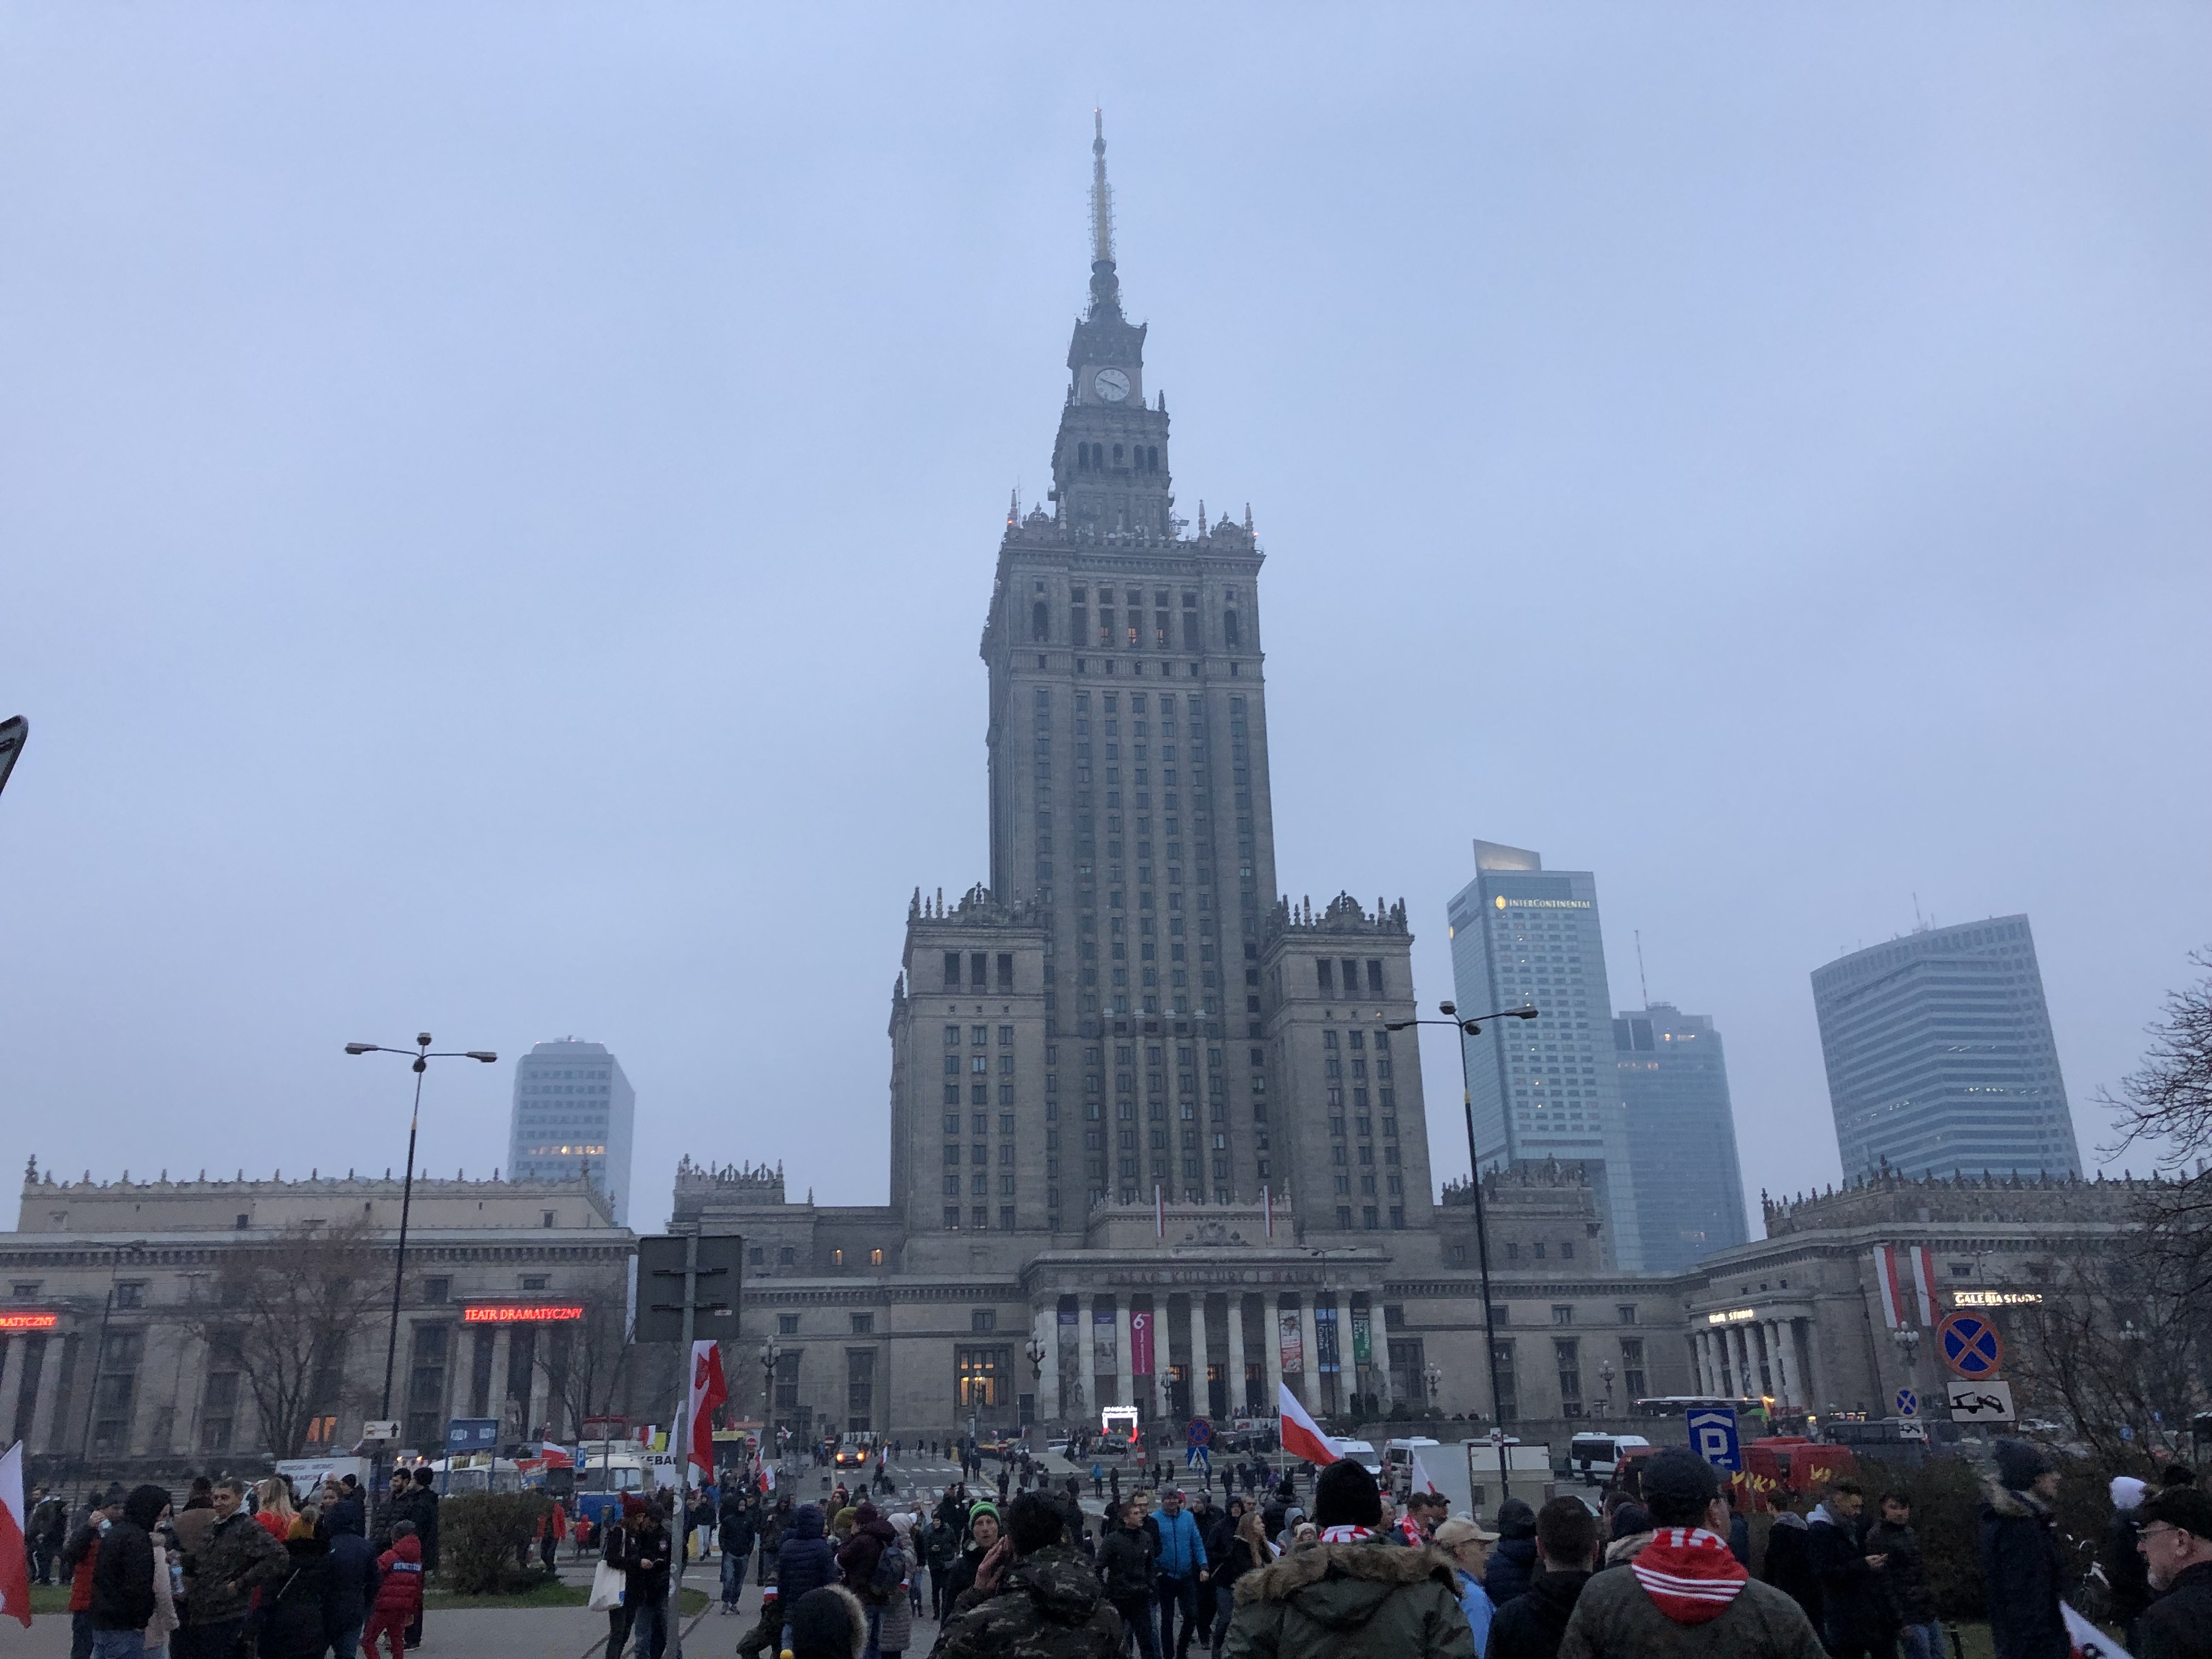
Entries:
{"x":1360,"y":1451}
{"x":1592,"y":1458}
{"x":1398,"y":1460}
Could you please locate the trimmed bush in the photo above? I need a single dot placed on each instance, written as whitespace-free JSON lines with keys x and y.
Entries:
{"x":1947,"y":1514}
{"x":483,"y":1536}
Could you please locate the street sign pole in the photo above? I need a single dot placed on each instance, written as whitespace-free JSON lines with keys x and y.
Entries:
{"x":682,"y":1431}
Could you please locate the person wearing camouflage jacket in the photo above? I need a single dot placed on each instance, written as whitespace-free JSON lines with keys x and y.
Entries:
{"x":1048,"y":1605}
{"x":1354,"y":1596}
{"x":234,"y":1556}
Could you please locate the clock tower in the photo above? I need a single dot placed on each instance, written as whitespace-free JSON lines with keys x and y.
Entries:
{"x":1109,"y":463}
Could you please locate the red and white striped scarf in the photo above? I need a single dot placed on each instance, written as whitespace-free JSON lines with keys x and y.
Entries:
{"x":1689,"y":1573}
{"x":1346,"y":1534}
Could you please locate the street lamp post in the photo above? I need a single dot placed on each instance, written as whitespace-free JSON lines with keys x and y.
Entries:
{"x":1605,"y":1376}
{"x":99,"y":1350}
{"x":1467,"y":1028}
{"x":1034,"y":1349}
{"x":771,"y":1355}
{"x":420,"y":1056}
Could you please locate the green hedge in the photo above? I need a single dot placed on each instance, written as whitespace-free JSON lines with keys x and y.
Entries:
{"x":1946,"y":1514}
{"x":481,"y":1537}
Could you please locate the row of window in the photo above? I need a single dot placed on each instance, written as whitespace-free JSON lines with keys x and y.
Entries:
{"x":1141,"y":458}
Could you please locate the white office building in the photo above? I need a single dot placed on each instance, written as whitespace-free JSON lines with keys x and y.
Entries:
{"x":573,"y":1115}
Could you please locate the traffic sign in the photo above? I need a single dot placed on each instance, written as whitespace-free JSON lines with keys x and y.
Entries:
{"x":1980,"y":1402}
{"x":1908,"y":1403}
{"x":379,"y":1428}
{"x":1713,"y":1437}
{"x":471,"y":1434}
{"x":1971,"y":1346}
{"x":1199,"y":1432}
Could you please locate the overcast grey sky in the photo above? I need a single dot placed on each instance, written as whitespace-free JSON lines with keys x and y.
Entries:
{"x":497,"y":506}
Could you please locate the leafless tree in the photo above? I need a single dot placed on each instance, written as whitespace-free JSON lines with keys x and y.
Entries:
{"x":598,"y":1360}
{"x":2167,"y":1108}
{"x":289,"y":1311}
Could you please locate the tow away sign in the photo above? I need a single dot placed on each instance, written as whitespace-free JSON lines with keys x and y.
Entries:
{"x":1989,"y":1402}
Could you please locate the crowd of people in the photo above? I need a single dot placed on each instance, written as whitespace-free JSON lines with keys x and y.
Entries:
{"x":1664,"y":1566}
{"x":240,"y":1567}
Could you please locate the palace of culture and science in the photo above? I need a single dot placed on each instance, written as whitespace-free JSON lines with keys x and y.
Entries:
{"x":1145,"y":1116}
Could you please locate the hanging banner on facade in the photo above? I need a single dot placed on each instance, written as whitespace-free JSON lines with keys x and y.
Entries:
{"x":1291,"y":1344}
{"x":1327,"y":1353}
{"x":1906,"y":1280}
{"x":1362,"y":1337}
{"x":1067,"y":1337}
{"x":1140,"y":1345}
{"x":1103,"y":1348}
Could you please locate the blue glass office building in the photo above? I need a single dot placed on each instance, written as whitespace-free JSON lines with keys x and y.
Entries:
{"x":1940,"y":1056}
{"x":1545,"y":1088}
{"x":1681,"y":1135}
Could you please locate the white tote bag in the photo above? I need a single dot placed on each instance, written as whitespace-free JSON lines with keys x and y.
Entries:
{"x":607,"y":1582}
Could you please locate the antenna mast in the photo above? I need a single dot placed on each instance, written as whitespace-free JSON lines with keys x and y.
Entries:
{"x":1640,"y":984}
{"x":1102,"y":193}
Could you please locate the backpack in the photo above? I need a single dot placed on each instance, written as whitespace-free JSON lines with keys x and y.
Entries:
{"x":890,"y":1573}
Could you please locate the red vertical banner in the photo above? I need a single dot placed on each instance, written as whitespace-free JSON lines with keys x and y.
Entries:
{"x":1140,"y":1345}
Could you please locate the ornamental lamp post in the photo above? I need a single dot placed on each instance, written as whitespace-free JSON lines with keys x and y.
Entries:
{"x":1034,"y":1349}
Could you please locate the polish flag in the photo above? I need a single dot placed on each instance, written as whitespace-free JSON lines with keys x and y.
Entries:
{"x":1301,"y":1436}
{"x":554,"y":1457}
{"x":1923,"y":1285}
{"x":1887,"y":1281}
{"x":15,"y":1564}
{"x":707,"y":1391}
{"x":1422,"y":1480}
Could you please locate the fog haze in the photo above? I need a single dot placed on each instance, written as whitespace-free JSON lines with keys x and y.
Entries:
{"x":497,"y":507}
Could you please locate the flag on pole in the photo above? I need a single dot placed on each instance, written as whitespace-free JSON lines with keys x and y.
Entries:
{"x":1301,"y":1435}
{"x":1421,"y":1481}
{"x":2087,"y":1638}
{"x":556,"y":1457}
{"x":708,"y":1392}
{"x":15,"y":1564}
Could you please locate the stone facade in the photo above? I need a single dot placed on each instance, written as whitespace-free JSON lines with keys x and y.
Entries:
{"x":107,"y":1287}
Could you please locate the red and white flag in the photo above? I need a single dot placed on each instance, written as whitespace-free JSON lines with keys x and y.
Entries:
{"x":1422,"y":1482}
{"x":708,"y":1392}
{"x":556,"y":1457}
{"x":1301,"y":1435}
{"x":1906,"y":1280}
{"x":15,"y":1563}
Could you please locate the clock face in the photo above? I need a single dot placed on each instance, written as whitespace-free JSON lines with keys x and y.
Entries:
{"x":1111,"y":385}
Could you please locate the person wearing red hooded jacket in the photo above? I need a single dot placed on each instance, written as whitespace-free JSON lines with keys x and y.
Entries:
{"x":399,"y":1593}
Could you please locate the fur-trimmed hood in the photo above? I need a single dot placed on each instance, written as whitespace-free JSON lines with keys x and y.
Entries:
{"x":1341,"y":1584}
{"x":818,"y":1632}
{"x":2001,"y":1500}
{"x":1622,"y":1551}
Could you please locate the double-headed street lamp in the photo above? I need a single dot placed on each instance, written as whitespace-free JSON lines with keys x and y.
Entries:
{"x":1467,"y":1028}
{"x":421,"y":1056}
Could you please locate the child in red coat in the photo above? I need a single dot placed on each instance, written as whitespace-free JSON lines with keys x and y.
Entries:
{"x":399,"y":1595}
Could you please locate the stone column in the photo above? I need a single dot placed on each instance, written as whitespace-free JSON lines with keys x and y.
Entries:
{"x":11,"y":1383}
{"x":540,"y":1392}
{"x":1045,"y":1323}
{"x":1271,"y":1351}
{"x":495,"y":1405}
{"x":460,"y":1362}
{"x":1201,"y":1404}
{"x":1785,"y":1389}
{"x":50,"y":1389}
{"x":1701,"y":1362}
{"x":1746,"y":1379}
{"x":1311,"y":1392}
{"x":1125,"y":1378}
{"x":1237,"y":1354}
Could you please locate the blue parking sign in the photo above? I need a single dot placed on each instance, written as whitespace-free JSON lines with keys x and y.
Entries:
{"x":1713,"y":1437}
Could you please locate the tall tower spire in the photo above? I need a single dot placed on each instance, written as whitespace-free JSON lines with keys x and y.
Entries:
{"x":1102,"y":193}
{"x":1105,"y":286}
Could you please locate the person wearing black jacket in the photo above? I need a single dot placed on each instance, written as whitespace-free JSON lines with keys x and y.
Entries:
{"x":640,"y":1546}
{"x":1912,"y":1606}
{"x":1531,"y":1626}
{"x":2023,"y":1567}
{"x":1855,"y":1621}
{"x":1513,"y":1558}
{"x":123,"y":1596}
{"x":734,"y":1525}
{"x":1125,"y":1572}
{"x":353,"y":1578}
{"x":1789,"y":1565}
{"x":297,"y":1617}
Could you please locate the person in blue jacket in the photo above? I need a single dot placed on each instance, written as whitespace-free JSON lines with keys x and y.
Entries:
{"x":1179,"y":1570}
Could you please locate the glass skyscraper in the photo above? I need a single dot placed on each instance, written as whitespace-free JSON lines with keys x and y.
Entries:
{"x":573,"y":1112}
{"x":1940,"y":1056}
{"x":1681,"y":1135}
{"x":1545,"y":1088}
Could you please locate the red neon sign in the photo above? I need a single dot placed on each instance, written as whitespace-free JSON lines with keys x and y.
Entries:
{"x":29,"y":1321}
{"x":522,"y":1313}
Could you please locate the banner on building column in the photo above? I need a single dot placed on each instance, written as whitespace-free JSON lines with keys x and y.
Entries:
{"x":1290,"y":1343}
{"x":1362,"y":1337}
{"x":1104,"y":1350}
{"x":1140,"y":1345}
{"x":1327,"y":1357}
